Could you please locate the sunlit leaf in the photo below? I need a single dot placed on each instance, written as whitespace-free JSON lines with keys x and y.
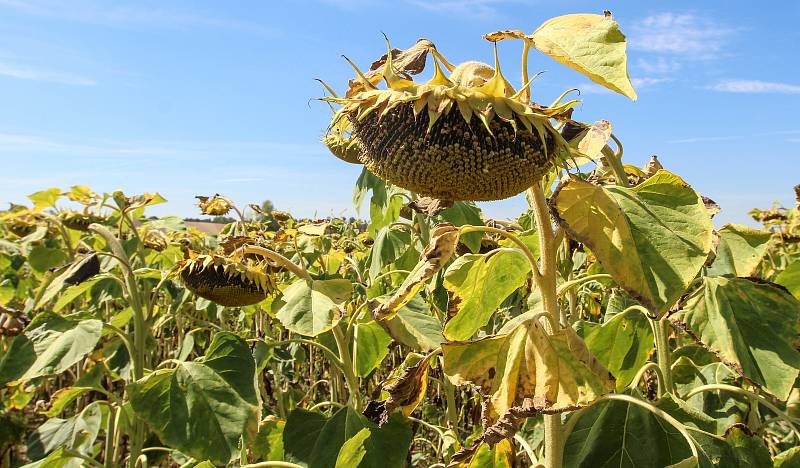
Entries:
{"x":653,"y":238}
{"x":790,"y":278}
{"x":590,"y":44}
{"x":312,"y":309}
{"x":76,"y":433}
{"x":528,"y":368}
{"x":478,"y":284}
{"x":415,"y":326}
{"x":203,"y":408}
{"x":740,"y":250}
{"x":622,"y":345}
{"x":49,"y":345}
{"x":45,"y":198}
{"x":751,"y":327}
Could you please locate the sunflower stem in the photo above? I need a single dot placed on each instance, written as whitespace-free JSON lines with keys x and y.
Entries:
{"x":546,"y":282}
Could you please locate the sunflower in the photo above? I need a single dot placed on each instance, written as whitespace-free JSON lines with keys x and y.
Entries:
{"x":226,"y":281}
{"x":466,"y":136}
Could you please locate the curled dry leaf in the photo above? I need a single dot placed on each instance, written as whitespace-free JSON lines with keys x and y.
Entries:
{"x":430,"y":206}
{"x":444,"y":240}
{"x":406,"y":62}
{"x":405,"y":392}
{"x":652,"y":166}
{"x":498,"y":36}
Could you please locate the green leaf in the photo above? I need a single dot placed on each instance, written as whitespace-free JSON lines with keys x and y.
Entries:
{"x":790,"y":278}
{"x":268,"y":444}
{"x":353,"y":450}
{"x":464,"y":213}
{"x":590,"y":44}
{"x":42,"y":259}
{"x":750,"y":326}
{"x":528,"y":365}
{"x":372,"y":346}
{"x":49,"y":345}
{"x":722,"y":406}
{"x":621,"y":434}
{"x":739,"y":251}
{"x":478,"y":285}
{"x":749,"y":450}
{"x":390,"y":243}
{"x":622,"y":345}
{"x":45,"y":198}
{"x":499,"y":456}
{"x":73,"y":292}
{"x":653,"y":238}
{"x":63,"y":397}
{"x":58,"y":459}
{"x":204,"y":407}
{"x":312,"y":309}
{"x":316,"y":441}
{"x":415,"y":327}
{"x":77,"y":433}
{"x":788,"y":459}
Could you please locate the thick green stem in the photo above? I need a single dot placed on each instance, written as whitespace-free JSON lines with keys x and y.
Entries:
{"x":663,"y":353}
{"x":546,"y":281}
{"x":347,"y":367}
{"x":108,"y":454}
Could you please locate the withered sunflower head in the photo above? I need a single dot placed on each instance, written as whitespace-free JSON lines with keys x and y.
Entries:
{"x":466,"y":136}
{"x":23,"y":224}
{"x":226,"y":281}
{"x":79,"y":221}
{"x":155,"y":239}
{"x":214,"y":206}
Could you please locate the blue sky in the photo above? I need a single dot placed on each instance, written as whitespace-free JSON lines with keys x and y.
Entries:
{"x":198,"y":97}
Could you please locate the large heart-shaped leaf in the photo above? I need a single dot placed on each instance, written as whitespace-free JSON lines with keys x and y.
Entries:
{"x":653,"y":238}
{"x":203,"y":408}
{"x":750,"y":326}
{"x":478,"y":285}
{"x":415,"y":326}
{"x":49,"y":345}
{"x":317,"y":442}
{"x":528,"y":368}
{"x":77,"y":433}
{"x":590,"y":44}
{"x":739,"y":251}
{"x":622,"y":434}
{"x":622,"y":344}
{"x":314,"y":308}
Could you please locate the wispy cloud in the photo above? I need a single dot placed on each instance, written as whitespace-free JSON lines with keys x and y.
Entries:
{"x":754,"y":86}
{"x":143,"y":15}
{"x":684,"y":34}
{"x":638,"y":83}
{"x":32,"y":74}
{"x":658,"y":65}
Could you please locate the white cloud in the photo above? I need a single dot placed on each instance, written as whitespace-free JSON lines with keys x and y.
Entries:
{"x":658,"y":66}
{"x":684,"y":34}
{"x":638,"y":83}
{"x":26,"y":73}
{"x":754,"y":86}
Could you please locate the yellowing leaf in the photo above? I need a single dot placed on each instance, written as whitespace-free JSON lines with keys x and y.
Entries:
{"x":444,"y":239}
{"x":653,"y":238}
{"x":590,"y":44}
{"x":740,"y":250}
{"x":45,"y":198}
{"x":528,"y":368}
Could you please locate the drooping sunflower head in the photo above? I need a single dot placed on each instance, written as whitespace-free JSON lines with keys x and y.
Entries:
{"x":155,"y":239}
{"x":466,"y":136}
{"x":79,"y":221}
{"x":226,"y":280}
{"x":214,"y":206}
{"x":22,"y":225}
